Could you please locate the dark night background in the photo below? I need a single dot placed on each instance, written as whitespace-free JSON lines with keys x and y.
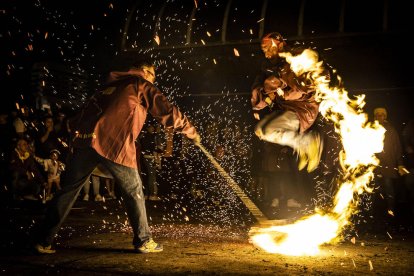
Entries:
{"x":64,"y":49}
{"x":70,"y":45}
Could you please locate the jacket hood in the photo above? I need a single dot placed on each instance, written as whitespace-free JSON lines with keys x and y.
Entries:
{"x":118,"y":75}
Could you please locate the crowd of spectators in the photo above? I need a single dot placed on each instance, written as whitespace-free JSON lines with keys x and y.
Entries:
{"x":34,"y":146}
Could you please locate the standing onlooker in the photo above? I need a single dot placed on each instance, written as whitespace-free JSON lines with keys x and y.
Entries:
{"x":151,"y":160}
{"x":20,"y":121}
{"x":53,"y":167}
{"x":279,"y":170}
{"x":391,"y":165}
{"x":48,"y":139}
{"x":6,"y":136}
{"x":408,"y":142}
{"x":96,"y":184}
{"x":27,"y":181}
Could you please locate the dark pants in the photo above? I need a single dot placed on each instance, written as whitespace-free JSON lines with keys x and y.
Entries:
{"x":151,"y":179}
{"x":80,"y":166}
{"x":409,"y":187}
{"x":22,"y":186}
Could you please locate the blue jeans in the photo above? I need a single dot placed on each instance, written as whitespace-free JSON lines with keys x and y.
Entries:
{"x":79,"y":168}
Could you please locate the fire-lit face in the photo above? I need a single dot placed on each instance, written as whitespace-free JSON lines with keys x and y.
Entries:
{"x":271,"y":47}
{"x":149,"y":73}
{"x":54,"y":156}
{"x":380,"y":117}
{"x":22,"y":146}
{"x":49,"y":122}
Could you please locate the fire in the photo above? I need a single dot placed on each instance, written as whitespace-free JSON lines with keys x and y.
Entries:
{"x":360,"y":140}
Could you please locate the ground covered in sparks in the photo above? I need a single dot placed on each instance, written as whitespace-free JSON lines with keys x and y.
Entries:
{"x":94,"y":240}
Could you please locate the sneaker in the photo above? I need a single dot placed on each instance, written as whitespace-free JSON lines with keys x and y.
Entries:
{"x":275,"y":203}
{"x":98,"y":197}
{"x":303,"y":160}
{"x":44,"y":249}
{"x":149,"y":247}
{"x":154,"y":198}
{"x":259,"y":133}
{"x":85,"y":197}
{"x":314,"y":152}
{"x":292,"y":203}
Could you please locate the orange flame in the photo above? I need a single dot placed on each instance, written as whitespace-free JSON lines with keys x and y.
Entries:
{"x":360,"y":140}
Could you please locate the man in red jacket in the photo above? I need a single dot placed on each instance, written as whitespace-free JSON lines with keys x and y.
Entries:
{"x":292,"y":104}
{"x":105,"y":132}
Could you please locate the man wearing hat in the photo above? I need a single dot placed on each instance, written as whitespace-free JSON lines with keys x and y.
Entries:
{"x":292,"y":103}
{"x":391,"y":165}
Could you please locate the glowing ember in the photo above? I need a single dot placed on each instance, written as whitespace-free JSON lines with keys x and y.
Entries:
{"x":360,"y":140}
{"x":157,"y":39}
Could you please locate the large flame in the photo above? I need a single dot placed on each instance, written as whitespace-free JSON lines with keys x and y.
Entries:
{"x":360,"y":140}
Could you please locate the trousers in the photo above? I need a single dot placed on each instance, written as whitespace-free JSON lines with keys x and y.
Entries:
{"x":80,"y":165}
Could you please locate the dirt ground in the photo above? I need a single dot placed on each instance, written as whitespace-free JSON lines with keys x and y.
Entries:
{"x":93,"y":242}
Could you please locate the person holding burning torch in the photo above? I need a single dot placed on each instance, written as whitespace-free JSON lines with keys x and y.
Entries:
{"x":105,"y":132}
{"x":292,"y":104}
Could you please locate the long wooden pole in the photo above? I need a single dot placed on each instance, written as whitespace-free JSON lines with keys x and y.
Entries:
{"x":258,"y":215}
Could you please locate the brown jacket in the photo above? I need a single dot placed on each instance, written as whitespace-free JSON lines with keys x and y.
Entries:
{"x":392,"y":155}
{"x":113,"y":118}
{"x":298,"y":93}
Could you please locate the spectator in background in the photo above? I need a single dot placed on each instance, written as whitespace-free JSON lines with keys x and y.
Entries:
{"x":53,"y":168}
{"x":19,"y":123}
{"x":408,"y":142}
{"x":98,"y":174}
{"x":279,"y":170}
{"x":151,"y":159}
{"x":96,"y":184}
{"x":110,"y":186}
{"x":60,"y":124}
{"x":48,"y":139}
{"x":391,"y":165}
{"x":27,"y":180}
{"x":6,"y":136}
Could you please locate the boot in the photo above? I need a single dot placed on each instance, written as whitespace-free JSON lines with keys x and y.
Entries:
{"x":314,"y":151}
{"x":303,"y":159}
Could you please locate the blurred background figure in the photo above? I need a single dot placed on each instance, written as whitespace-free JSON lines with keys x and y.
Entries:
{"x":408,"y":142}
{"x":27,"y":180}
{"x":48,"y":139}
{"x":53,"y":168}
{"x":391,"y":165}
{"x":152,"y":144}
{"x":7,"y":134}
{"x":96,"y":183}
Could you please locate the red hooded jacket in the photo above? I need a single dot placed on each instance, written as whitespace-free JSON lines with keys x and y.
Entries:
{"x":113,"y":118}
